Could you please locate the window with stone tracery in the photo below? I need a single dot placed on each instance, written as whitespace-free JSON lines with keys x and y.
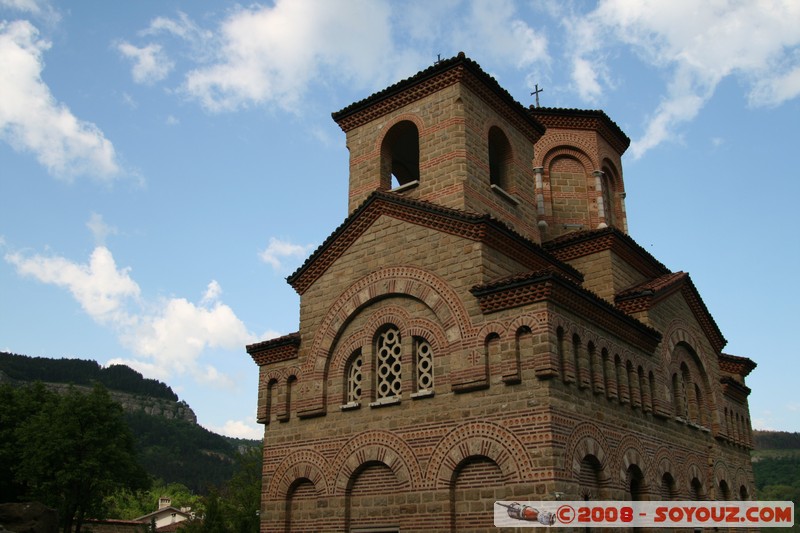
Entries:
{"x":423,"y":355}
{"x":388,"y":364}
{"x":354,"y":377}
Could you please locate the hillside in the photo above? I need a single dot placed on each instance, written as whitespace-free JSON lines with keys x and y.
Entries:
{"x":776,"y":467}
{"x":169,"y":443}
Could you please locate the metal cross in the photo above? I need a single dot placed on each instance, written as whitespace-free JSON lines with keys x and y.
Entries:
{"x":536,"y":93}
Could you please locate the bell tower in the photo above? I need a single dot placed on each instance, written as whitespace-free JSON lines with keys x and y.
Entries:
{"x":578,"y":172}
{"x":449,"y":135}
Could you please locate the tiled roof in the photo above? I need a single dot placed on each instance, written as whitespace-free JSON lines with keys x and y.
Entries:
{"x":735,"y":364}
{"x":482,"y":228}
{"x":274,"y":350}
{"x":549,"y":285}
{"x":553,"y":117}
{"x":586,"y":242}
{"x":439,"y":75}
{"x":648,"y":289}
{"x":645,"y":295}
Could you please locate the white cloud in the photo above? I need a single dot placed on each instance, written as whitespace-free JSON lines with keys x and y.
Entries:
{"x":100,"y":288}
{"x":278,"y":250}
{"x":100,"y":230}
{"x":239,"y":429}
{"x":700,"y":44}
{"x":32,"y":120}
{"x":213,"y":292}
{"x":168,"y":336}
{"x":271,"y":55}
{"x":492,"y":29}
{"x":150,"y":63}
{"x":40,"y":9}
{"x":182,"y":27}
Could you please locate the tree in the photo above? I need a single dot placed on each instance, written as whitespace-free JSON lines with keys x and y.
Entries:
{"x":76,"y":450}
{"x":242,"y":495}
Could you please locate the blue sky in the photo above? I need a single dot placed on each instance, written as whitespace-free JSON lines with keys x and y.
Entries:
{"x":165,"y":165}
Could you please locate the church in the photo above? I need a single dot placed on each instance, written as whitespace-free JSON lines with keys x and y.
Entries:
{"x":481,"y":327}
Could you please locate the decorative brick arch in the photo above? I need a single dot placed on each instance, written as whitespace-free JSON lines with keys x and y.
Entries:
{"x":375,"y":446}
{"x":664,"y":463}
{"x":678,"y":333}
{"x":585,"y":439}
{"x":272,"y":375}
{"x":410,"y":281}
{"x":395,"y":315}
{"x":632,"y":454}
{"x":535,"y":323}
{"x":743,"y":481}
{"x":345,"y":348}
{"x":301,"y":464}
{"x":693,"y":468}
{"x":721,"y":474}
{"x":554,"y":145}
{"x":485,"y":439}
{"x":405,"y":117}
{"x":431,"y":332}
{"x":616,"y":176}
{"x":487,"y":330}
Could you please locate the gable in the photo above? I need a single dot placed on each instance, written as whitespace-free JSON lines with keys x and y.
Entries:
{"x":476,"y":228}
{"x":646,"y":299}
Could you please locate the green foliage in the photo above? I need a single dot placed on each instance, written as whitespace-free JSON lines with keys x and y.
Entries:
{"x":180,"y":452}
{"x":69,"y":451}
{"x":235,"y":507}
{"x":776,"y":440}
{"x":82,"y":372}
{"x":126,"y":504}
{"x":776,"y":467}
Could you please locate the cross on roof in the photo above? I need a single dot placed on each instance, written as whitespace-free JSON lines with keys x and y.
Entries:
{"x":536,"y":92}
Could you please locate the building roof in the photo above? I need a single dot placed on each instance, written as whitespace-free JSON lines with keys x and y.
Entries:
{"x":548,"y":284}
{"x":554,"y":117}
{"x":274,"y":350}
{"x":482,"y":228}
{"x":580,"y":243}
{"x":163,"y":510}
{"x":439,"y":75}
{"x":735,"y":364}
{"x":644,"y":296}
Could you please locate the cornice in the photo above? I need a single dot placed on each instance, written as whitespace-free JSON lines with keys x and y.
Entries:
{"x":444,"y":73}
{"x":648,"y":294}
{"x":477,"y":228}
{"x":583,"y":119}
{"x":275,"y":350}
{"x":734,"y":364}
{"x":548,"y":285}
{"x":582,"y":243}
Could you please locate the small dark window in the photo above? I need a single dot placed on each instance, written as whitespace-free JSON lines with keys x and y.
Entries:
{"x":499,"y":158}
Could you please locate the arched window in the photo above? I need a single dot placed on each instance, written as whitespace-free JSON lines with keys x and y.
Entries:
{"x":743,"y":494}
{"x":635,"y":484}
{"x":696,"y":490}
{"x":499,"y":158}
{"x":608,"y":199}
{"x":400,"y":155}
{"x":668,"y":488}
{"x":724,"y":491}
{"x":272,"y":399}
{"x":590,"y":478}
{"x":388,"y":364}
{"x":562,"y":363}
{"x":423,"y":362}
{"x":291,"y":381}
{"x":353,"y":378}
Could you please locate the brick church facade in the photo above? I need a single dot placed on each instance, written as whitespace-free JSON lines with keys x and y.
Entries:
{"x":481,"y":327}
